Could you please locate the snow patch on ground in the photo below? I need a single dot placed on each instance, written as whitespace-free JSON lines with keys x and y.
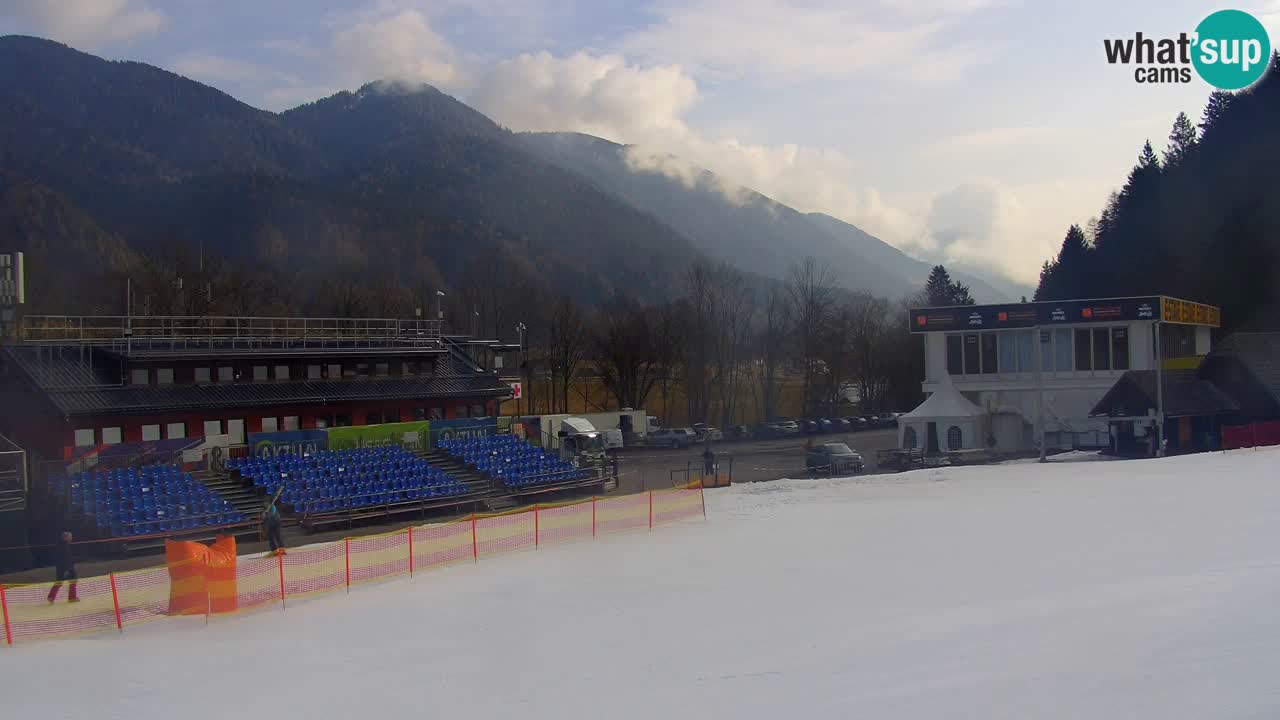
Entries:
{"x":1142,"y":589}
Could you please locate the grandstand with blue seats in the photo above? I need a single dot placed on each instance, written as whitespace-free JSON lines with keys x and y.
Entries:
{"x":155,"y":499}
{"x":352,"y":479}
{"x":514,"y":462}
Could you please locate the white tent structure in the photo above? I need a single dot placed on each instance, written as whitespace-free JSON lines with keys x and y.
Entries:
{"x":953,"y":420}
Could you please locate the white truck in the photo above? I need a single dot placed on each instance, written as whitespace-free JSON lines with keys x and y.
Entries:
{"x":581,"y":443}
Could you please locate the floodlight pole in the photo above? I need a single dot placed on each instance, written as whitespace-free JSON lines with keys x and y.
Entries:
{"x":1040,"y":391}
{"x":1159,"y":394}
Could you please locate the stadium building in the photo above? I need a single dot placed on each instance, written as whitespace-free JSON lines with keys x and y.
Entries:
{"x":1008,"y":378}
{"x":145,"y":427}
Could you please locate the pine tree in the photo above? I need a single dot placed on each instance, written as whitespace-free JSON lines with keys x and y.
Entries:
{"x":937,"y":288}
{"x":1182,"y":141}
{"x":1214,"y":110}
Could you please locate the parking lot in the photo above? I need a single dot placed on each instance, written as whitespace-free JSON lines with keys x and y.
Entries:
{"x":651,"y":468}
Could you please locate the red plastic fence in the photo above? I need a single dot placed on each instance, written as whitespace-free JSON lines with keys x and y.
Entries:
{"x":1253,"y":435}
{"x":114,"y":602}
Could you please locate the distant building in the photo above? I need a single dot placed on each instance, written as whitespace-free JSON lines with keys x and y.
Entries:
{"x":1036,"y":371}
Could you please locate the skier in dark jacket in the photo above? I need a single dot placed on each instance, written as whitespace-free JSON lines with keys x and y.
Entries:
{"x":271,"y":521}
{"x":708,"y":460}
{"x":65,"y":566}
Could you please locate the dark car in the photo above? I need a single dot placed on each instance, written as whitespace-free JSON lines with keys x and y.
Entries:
{"x":741,"y":432}
{"x":833,"y":459}
{"x":826,"y":425}
{"x":872,"y":421}
{"x":841,"y":425}
{"x":809,"y":427}
{"x":888,"y":419}
{"x":856,"y":423}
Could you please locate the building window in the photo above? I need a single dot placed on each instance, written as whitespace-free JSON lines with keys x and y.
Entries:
{"x":1046,"y":350}
{"x":909,"y":438}
{"x":282,"y":372}
{"x":212,"y":427}
{"x":419,"y":414}
{"x":1024,"y":341}
{"x":955,"y":355}
{"x":342,"y":420}
{"x":164,"y":376}
{"x":988,"y":353}
{"x":269,"y":424}
{"x":202,"y":375}
{"x":176,"y":430}
{"x":235,"y":431}
{"x":84,"y":438}
{"x":1008,"y":352}
{"x":437,"y":413}
{"x":971,"y":355}
{"x":1062,"y":349}
{"x":1120,"y":348}
{"x":290,"y":422}
{"x":362,"y":369}
{"x":955,"y":438}
{"x":226,"y":374}
{"x":259,"y":373}
{"x":313,"y":372}
{"x":150,"y":432}
{"x":111,"y":436}
{"x":1084,"y":351}
{"x":373,"y":418}
{"x":1101,"y":349}
{"x":391,"y":416}
{"x":382,"y":369}
{"x":477,"y":411}
{"x":139,"y":376}
{"x":409,"y":368}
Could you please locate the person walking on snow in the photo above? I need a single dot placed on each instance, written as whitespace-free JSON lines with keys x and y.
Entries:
{"x":271,"y":521}
{"x":65,"y":567}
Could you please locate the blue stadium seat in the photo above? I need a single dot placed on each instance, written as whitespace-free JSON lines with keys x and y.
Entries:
{"x":125,"y":502}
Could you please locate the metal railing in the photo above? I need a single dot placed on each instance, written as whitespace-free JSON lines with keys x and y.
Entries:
{"x":173,"y":332}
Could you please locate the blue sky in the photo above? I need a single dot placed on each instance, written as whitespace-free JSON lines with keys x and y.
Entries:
{"x":967,"y":131}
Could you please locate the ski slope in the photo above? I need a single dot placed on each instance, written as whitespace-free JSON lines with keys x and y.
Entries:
{"x":1141,"y":589}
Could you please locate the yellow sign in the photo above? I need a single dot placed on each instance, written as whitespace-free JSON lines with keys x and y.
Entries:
{"x":1173,"y":310}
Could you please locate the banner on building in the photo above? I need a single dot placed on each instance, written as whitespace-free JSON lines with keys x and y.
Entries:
{"x":293,"y":442}
{"x":408,"y":434}
{"x":462,"y":428}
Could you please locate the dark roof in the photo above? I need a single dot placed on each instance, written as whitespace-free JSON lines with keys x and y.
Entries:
{"x":72,"y":389}
{"x":1258,"y":351}
{"x":1184,"y":394}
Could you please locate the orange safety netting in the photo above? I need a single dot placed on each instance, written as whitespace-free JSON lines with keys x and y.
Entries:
{"x":199,"y":579}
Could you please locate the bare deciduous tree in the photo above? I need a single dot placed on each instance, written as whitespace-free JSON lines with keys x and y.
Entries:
{"x":811,"y":291}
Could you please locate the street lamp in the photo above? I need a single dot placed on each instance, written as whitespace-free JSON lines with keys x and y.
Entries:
{"x":520,"y":330}
{"x":439,"y":310}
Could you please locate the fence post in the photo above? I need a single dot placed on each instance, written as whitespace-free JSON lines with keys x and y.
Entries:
{"x":280,"y":564}
{"x":208,"y":596}
{"x":115,"y":600}
{"x":702,"y":497}
{"x":593,"y":516}
{"x":4,"y":604}
{"x":475,"y":547}
{"x":650,"y":509}
{"x":410,"y":551}
{"x":535,"y":525}
{"x":346,"y":543}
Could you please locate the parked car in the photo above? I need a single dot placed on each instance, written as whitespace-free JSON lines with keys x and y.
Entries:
{"x":856,"y":423}
{"x":826,"y":425}
{"x":809,"y":427}
{"x":786,"y":426}
{"x":888,"y":419}
{"x":673,"y":438}
{"x":833,"y":459}
{"x":705,"y":432}
{"x":842,"y":425}
{"x":741,"y":432}
{"x":873,"y":421}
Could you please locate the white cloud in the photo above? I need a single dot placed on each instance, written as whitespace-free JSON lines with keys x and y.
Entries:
{"x":84,"y":22}
{"x":986,"y":140}
{"x":906,"y":42}
{"x":401,"y":46}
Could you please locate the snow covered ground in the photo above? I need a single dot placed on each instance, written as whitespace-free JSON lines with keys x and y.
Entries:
{"x":1143,"y":589}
